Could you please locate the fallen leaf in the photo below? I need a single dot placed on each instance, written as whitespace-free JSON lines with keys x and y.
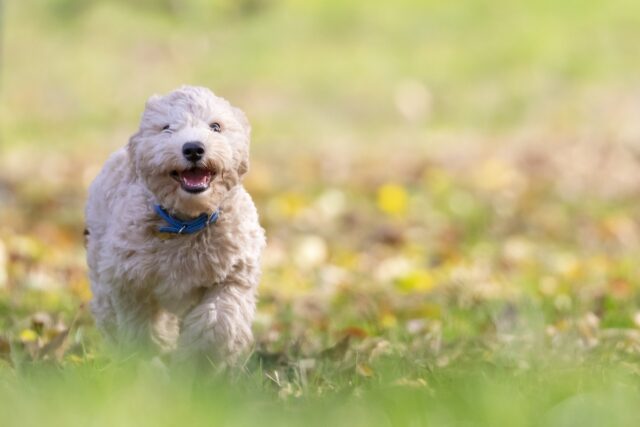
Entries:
{"x":28,"y":335}
{"x":338,"y":351}
{"x":392,"y":199}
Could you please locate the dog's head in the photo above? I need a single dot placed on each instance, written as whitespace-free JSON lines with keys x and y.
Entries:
{"x":191,"y":149}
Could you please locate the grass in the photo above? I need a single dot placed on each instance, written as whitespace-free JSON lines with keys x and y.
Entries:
{"x":475,"y":394}
{"x":483,"y":65}
{"x":450,"y":193}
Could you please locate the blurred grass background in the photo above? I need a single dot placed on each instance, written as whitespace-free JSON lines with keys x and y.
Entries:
{"x":348,"y":71}
{"x":450,"y":192}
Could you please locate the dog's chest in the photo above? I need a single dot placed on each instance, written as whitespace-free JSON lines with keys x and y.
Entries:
{"x":179,"y":267}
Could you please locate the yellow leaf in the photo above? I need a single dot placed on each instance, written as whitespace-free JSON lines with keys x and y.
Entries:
{"x":28,"y":335}
{"x":388,"y":320}
{"x":290,"y":204}
{"x":81,"y":288}
{"x":416,"y":281}
{"x":364,"y":370}
{"x":75,"y":359}
{"x":392,"y":199}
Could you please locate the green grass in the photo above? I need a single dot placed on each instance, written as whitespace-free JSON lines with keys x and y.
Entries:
{"x":85,"y":68}
{"x":476,"y":394}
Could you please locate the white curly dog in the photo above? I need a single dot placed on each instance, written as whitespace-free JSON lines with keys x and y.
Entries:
{"x":173,"y":238}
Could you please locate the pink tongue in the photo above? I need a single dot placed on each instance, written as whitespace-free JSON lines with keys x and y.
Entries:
{"x":195,"y":176}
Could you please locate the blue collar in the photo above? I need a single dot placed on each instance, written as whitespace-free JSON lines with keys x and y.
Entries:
{"x":177,"y":226}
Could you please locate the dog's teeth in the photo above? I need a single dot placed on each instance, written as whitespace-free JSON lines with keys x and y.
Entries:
{"x":196,"y":179}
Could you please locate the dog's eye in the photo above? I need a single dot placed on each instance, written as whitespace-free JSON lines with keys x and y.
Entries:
{"x":215,"y":126}
{"x":166,"y":127}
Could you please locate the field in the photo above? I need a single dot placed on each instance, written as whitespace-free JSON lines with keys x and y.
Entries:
{"x":450,"y":190}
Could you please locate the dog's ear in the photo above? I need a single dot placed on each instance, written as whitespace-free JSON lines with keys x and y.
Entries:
{"x":241,"y":117}
{"x":243,"y":163}
{"x":242,"y":155}
{"x":152,"y":100}
{"x":243,"y":167}
{"x":131,"y":152}
{"x":151,"y":106}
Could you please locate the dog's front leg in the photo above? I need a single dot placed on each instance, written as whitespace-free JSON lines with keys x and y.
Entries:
{"x":218,"y":329}
{"x":135,"y":313}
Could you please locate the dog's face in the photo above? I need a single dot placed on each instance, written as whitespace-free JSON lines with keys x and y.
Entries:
{"x":191,"y":149}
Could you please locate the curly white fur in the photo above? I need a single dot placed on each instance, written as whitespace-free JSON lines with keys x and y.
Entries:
{"x":192,"y":292}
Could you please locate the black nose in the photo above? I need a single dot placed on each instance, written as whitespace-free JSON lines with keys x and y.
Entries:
{"x":193,"y":151}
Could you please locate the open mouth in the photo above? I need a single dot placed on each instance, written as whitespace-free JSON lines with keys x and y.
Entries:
{"x":194,"y":180}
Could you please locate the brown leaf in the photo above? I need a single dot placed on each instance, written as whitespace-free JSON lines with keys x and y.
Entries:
{"x":56,"y":347}
{"x":338,"y":351}
{"x":354,"y":331}
{"x":5,"y":348}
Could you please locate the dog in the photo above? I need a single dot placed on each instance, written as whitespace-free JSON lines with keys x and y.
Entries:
{"x":173,"y":239}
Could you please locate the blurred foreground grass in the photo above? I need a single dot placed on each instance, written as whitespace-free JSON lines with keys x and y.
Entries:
{"x":450,"y":192}
{"x":475,"y":395}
